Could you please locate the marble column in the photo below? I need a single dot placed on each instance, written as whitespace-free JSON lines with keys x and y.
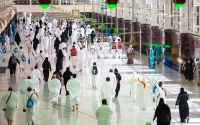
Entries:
{"x":156,"y":36}
{"x":146,"y":32}
{"x":136,"y":33}
{"x":128,"y":31}
{"x":109,"y":21}
{"x":185,"y":42}
{"x":121,"y":27}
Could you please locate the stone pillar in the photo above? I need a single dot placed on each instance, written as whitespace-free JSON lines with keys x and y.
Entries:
{"x":136,"y":33}
{"x":30,"y":2}
{"x":128,"y":31}
{"x":109,"y":21}
{"x":121,"y":27}
{"x":185,"y":42}
{"x":146,"y":33}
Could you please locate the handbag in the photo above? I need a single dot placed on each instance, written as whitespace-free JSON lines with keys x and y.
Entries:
{"x":7,"y":101}
{"x":190,"y":103}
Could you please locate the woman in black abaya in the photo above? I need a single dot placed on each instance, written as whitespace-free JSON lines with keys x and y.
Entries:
{"x":59,"y":62}
{"x":56,"y":44}
{"x":12,"y":64}
{"x":161,"y":109}
{"x":183,"y":105}
{"x":35,"y":43}
{"x":67,"y":76}
{"x":46,"y":68}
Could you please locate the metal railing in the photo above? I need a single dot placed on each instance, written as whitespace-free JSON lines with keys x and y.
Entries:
{"x":53,"y":2}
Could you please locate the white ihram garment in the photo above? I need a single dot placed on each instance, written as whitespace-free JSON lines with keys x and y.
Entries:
{"x":98,"y":47}
{"x":106,"y":48}
{"x":40,"y":59}
{"x":10,"y":106}
{"x":74,"y":88}
{"x":107,"y":92}
{"x":54,"y":88}
{"x":35,"y":75}
{"x":94,"y":77}
{"x":30,"y":112}
{"x":80,"y":59}
{"x":26,"y":83}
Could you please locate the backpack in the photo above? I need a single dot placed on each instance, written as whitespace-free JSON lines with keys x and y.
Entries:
{"x":58,"y":76}
{"x":164,"y":117}
{"x":30,"y":102}
{"x":94,"y":70}
{"x":40,"y":40}
{"x":4,"y":50}
{"x":13,"y":61}
{"x":73,"y":52}
{"x":15,"y":50}
{"x":23,"y":58}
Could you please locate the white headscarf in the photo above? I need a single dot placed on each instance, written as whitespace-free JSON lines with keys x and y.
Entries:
{"x":130,"y":49}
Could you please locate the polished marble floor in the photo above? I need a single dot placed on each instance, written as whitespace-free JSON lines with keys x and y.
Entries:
{"x":125,"y":111}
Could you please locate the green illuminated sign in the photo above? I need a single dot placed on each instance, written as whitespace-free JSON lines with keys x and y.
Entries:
{"x":44,"y":6}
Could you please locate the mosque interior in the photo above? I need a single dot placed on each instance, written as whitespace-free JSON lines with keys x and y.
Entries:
{"x":141,"y":23}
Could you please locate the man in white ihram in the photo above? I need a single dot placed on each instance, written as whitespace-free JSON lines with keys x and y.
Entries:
{"x":80,"y":60}
{"x":160,"y":93}
{"x":112,"y":77}
{"x":40,"y":60}
{"x":74,"y":88}
{"x":8,"y":105}
{"x":36,"y":77}
{"x":29,"y":101}
{"x":94,"y":71}
{"x":54,"y":88}
{"x":107,"y":91}
{"x":27,"y":83}
{"x":103,"y":113}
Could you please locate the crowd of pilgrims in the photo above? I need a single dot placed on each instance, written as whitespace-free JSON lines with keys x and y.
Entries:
{"x":36,"y":39}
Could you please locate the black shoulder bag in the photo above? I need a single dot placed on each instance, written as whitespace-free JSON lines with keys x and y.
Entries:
{"x":7,"y":101}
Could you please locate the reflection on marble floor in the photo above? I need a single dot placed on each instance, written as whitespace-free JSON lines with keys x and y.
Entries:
{"x":125,"y":111}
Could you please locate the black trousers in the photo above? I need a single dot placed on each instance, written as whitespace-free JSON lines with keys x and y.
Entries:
{"x":117,"y":89}
{"x":188,"y":74}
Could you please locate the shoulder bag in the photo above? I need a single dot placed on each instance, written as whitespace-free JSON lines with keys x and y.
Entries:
{"x":7,"y":101}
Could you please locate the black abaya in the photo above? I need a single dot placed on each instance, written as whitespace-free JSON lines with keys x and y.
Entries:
{"x":92,"y":37}
{"x":59,"y":62}
{"x":46,"y":68}
{"x":67,"y":76}
{"x":158,"y":112}
{"x":56,"y":44}
{"x":183,"y":105}
{"x":35,"y":43}
{"x":17,"y":38}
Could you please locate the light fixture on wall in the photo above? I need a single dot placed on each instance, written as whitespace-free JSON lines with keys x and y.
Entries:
{"x":183,"y":16}
{"x":156,"y":13}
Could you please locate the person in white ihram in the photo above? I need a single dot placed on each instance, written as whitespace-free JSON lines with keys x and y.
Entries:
{"x":27,"y":83}
{"x":74,"y":88}
{"x":80,"y":60}
{"x":94,"y":71}
{"x":103,"y":114}
{"x":54,"y":88}
{"x":134,"y":82}
{"x":112,"y":77}
{"x":36,"y":77}
{"x":29,"y":101}
{"x":8,"y":105}
{"x":107,"y":91}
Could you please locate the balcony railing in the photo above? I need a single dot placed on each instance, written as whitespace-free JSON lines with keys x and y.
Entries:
{"x":53,"y":2}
